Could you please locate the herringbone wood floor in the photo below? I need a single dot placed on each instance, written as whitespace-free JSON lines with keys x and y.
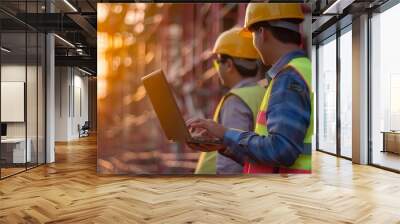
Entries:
{"x":70,"y":191}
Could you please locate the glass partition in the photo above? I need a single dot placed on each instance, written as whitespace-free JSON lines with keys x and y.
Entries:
{"x":31,"y":100}
{"x":22,"y":90}
{"x":14,"y":151}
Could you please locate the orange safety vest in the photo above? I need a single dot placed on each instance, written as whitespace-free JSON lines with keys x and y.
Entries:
{"x":303,"y":163}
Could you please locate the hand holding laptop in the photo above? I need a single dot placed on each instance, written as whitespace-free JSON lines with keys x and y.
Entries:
{"x":201,"y":144}
{"x":209,"y":127}
{"x":198,"y":129}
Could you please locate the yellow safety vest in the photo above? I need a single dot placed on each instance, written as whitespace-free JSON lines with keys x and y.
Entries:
{"x":303,"y":163}
{"x":252,"y":97}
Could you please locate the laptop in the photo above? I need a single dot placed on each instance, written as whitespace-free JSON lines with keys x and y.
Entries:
{"x":167,"y":110}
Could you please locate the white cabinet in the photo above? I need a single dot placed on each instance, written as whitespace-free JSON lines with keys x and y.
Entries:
{"x":17,"y":145}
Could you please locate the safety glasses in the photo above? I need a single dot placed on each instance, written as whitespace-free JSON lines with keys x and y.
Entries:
{"x":216,"y":64}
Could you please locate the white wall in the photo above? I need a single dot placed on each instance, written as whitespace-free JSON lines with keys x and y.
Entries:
{"x":15,"y":73}
{"x":12,"y":73}
{"x":81,"y":100}
{"x":71,"y":94}
{"x":61,"y":103}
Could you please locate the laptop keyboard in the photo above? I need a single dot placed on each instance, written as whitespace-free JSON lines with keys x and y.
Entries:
{"x":202,"y":140}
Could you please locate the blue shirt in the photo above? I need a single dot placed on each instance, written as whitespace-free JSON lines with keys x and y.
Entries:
{"x":289,"y":114}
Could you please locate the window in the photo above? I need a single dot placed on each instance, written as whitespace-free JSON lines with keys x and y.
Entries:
{"x":385,"y":88}
{"x":327,"y":96}
{"x":346,"y":93}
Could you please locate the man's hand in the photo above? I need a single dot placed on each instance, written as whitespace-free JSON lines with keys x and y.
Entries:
{"x":210,"y":127}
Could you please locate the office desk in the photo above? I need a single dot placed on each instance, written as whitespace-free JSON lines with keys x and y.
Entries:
{"x":13,"y":150}
{"x":391,"y":142}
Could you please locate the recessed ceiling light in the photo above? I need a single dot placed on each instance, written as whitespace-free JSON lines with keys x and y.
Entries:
{"x":5,"y":50}
{"x":84,"y":71}
{"x":70,"y":5}
{"x":64,"y":40}
{"x":337,"y":7}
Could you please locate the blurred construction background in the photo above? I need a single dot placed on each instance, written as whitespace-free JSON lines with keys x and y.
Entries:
{"x":136,"y":39}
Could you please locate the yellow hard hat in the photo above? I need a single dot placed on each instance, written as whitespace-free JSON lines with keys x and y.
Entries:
{"x":258,"y":12}
{"x":233,"y":44}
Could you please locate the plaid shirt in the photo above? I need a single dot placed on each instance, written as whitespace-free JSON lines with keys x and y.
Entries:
{"x":289,"y":113}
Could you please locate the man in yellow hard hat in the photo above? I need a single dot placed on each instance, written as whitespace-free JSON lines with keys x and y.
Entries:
{"x":236,"y":64}
{"x":281,"y":140}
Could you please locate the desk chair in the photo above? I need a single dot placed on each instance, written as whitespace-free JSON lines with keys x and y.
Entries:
{"x":84,"y":130}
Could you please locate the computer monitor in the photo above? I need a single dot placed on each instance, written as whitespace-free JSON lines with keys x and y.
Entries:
{"x":3,"y":129}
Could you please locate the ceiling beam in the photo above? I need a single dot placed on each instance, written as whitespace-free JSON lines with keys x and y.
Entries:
{"x":83,"y":23}
{"x":81,"y":61}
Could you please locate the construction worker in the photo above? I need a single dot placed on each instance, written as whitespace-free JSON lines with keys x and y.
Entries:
{"x":281,"y":141}
{"x":236,"y":64}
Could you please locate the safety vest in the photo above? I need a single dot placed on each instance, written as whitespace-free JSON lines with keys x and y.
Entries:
{"x":252,"y":97}
{"x":303,"y":163}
